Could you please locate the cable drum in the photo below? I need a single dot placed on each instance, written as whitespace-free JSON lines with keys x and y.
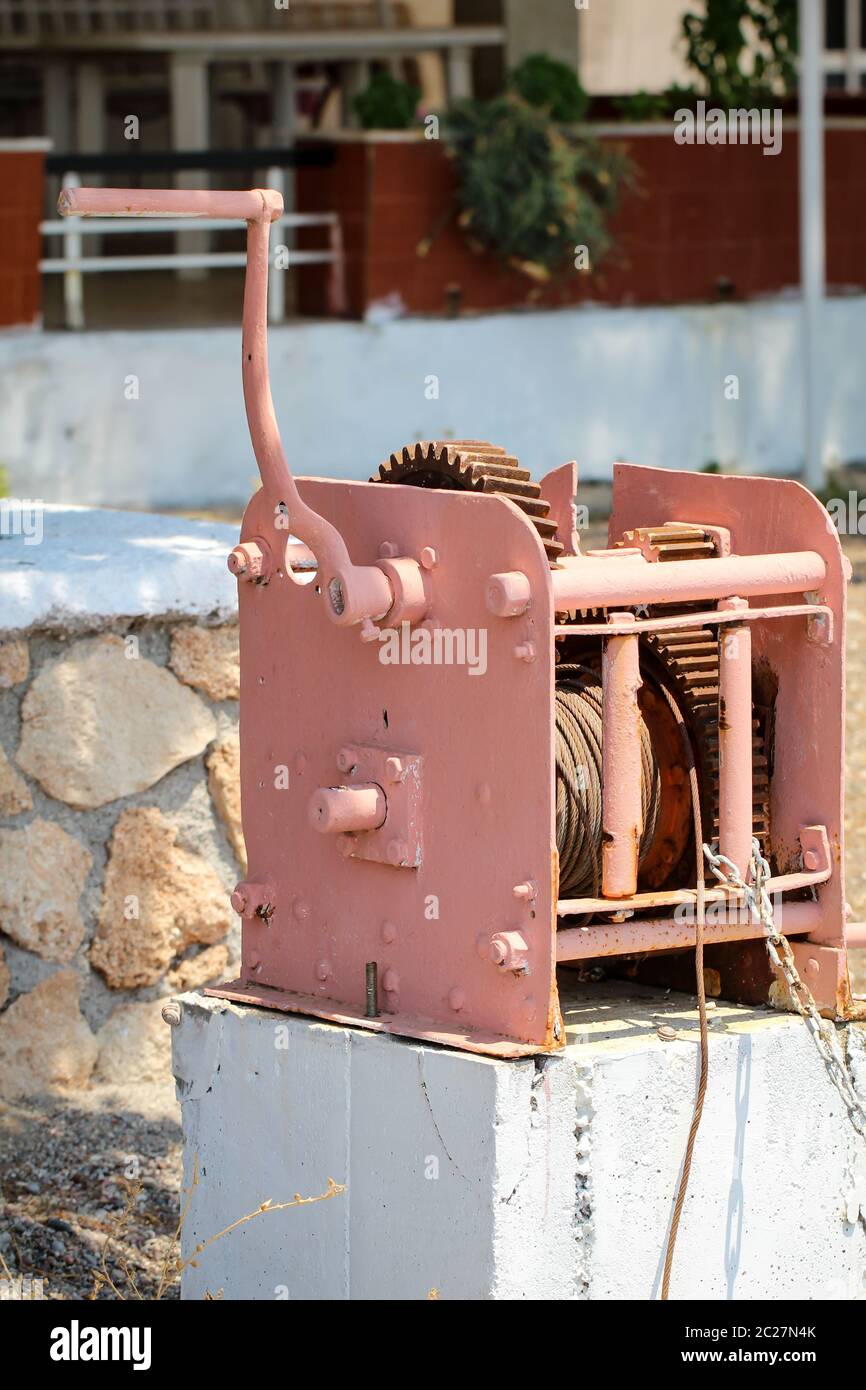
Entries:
{"x":578,"y":739}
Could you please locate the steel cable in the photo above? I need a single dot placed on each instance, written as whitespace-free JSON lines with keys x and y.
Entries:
{"x":578,"y":738}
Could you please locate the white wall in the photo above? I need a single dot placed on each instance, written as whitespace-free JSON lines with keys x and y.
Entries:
{"x":592,"y":384}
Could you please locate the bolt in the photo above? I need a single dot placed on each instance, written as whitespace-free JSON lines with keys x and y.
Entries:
{"x":667,"y":1033}
{"x":369,"y":632}
{"x":428,"y":557}
{"x":323,"y":970}
{"x":397,"y":852}
{"x":171,"y":1013}
{"x":524,"y":892}
{"x":525,"y":651}
{"x":457,"y":999}
{"x":394,"y":770}
{"x":239,"y":901}
{"x":388,"y":550}
{"x":389,"y":933}
{"x":810,"y":859}
{"x":498,"y":951}
{"x":337,"y":597}
{"x":390,"y":982}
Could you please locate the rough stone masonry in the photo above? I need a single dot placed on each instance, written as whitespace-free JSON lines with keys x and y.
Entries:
{"x":120,"y":834}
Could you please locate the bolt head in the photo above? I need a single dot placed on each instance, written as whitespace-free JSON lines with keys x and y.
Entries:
{"x":810,"y":859}
{"x":388,"y":550}
{"x":428,"y":557}
{"x":394,"y":769}
{"x":323,"y":970}
{"x":239,"y":901}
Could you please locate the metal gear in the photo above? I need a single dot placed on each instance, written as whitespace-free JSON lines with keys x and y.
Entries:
{"x":473,"y":465}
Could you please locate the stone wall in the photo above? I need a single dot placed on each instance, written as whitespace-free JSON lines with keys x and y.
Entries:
{"x":120,"y":836}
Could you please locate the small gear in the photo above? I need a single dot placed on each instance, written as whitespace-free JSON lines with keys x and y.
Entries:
{"x":473,"y":465}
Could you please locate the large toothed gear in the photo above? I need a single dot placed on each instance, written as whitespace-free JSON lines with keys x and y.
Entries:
{"x":473,"y":465}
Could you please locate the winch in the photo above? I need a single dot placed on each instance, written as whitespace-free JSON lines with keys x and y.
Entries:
{"x":467,"y":742}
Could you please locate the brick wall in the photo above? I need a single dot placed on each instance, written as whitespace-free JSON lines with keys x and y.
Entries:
{"x":700,"y":222}
{"x":22,"y":181}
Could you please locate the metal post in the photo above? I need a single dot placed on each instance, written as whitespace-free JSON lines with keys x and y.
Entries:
{"x":277,"y":278}
{"x":812,"y":243}
{"x":459,"y":73}
{"x":73,"y":281}
{"x":621,"y":809}
{"x":735,"y":738}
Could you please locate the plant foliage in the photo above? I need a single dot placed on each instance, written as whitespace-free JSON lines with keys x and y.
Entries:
{"x":544,"y":82}
{"x":386,"y":103}
{"x":529,"y":189}
{"x":743,"y":50}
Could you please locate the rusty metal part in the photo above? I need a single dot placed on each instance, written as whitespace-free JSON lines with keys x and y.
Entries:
{"x":674,"y":540}
{"x":473,"y":465}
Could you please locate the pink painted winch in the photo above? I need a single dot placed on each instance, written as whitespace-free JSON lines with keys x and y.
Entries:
{"x":462,"y":756}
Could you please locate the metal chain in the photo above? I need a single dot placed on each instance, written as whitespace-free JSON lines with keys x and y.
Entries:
{"x":782,"y":958}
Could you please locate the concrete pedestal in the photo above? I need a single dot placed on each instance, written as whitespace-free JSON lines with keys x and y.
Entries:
{"x":545,"y":1179}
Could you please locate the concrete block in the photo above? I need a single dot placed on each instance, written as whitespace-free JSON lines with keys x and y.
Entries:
{"x":545,"y":1179}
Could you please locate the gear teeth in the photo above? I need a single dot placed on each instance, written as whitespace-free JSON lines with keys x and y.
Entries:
{"x":472,"y":465}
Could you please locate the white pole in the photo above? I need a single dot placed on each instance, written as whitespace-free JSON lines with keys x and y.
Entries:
{"x":276,"y":271}
{"x":73,"y":282}
{"x":812,"y":248}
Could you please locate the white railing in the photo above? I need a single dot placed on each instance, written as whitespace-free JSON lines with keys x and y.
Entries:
{"x":73,"y":265}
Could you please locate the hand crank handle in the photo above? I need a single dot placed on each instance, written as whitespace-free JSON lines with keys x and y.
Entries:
{"x":352,"y":593}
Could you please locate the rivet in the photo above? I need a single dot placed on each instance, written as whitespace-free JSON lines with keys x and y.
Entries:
{"x":457,"y":999}
{"x":394,"y":770}
{"x":428,"y":557}
{"x":388,"y":550}
{"x":389,"y":933}
{"x":525,"y":651}
{"x":812,"y":967}
{"x":524,"y":892}
{"x":346,"y":759}
{"x":323,"y":970}
{"x":810,"y":859}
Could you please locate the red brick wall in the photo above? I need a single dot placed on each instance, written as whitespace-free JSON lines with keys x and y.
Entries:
{"x":697,"y":217}
{"x":21,"y":190}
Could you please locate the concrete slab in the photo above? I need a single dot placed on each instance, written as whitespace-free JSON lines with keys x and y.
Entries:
{"x":73,"y":569}
{"x":550,"y":1178}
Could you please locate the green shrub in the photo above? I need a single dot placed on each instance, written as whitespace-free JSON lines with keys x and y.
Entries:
{"x":386,"y":103}
{"x":529,"y":189}
{"x":542,"y":81}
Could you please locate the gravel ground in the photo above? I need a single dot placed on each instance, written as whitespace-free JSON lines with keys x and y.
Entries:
{"x":91,"y":1185}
